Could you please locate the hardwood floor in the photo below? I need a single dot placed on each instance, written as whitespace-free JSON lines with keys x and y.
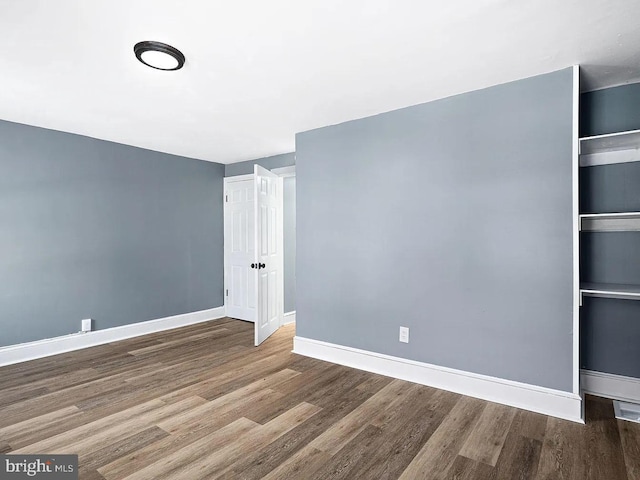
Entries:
{"x":201,"y":402}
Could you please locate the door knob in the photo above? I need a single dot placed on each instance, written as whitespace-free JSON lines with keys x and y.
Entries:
{"x":253,"y":265}
{"x":261,"y":265}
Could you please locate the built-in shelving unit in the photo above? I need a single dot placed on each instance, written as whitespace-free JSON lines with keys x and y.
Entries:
{"x":599,"y":231}
{"x":608,"y":227}
{"x":619,"y":147}
{"x":604,"y":150}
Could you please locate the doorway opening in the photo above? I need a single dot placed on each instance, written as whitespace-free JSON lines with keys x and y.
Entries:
{"x":259,"y":273}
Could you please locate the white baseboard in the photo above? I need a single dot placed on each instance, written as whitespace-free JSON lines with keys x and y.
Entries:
{"x":543,"y":400}
{"x":289,"y":317}
{"x":609,"y":385}
{"x":52,"y":346}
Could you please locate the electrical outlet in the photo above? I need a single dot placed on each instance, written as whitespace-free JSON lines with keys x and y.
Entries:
{"x":86,"y":325}
{"x":404,"y":334}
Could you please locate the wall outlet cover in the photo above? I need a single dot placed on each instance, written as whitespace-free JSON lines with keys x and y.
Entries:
{"x":86,"y":325}
{"x":404,"y":334}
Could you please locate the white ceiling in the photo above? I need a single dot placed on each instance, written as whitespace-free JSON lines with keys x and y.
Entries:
{"x":259,"y":71}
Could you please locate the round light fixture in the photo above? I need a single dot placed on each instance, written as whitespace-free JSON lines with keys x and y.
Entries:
{"x":159,"y":55}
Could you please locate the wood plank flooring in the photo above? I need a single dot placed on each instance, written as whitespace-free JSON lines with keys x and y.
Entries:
{"x":201,"y":402}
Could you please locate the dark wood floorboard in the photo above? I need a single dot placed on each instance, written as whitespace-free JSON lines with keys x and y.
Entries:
{"x":201,"y":402}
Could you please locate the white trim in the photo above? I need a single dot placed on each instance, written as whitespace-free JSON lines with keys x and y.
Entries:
{"x":285,"y":171}
{"x":612,"y":386}
{"x":609,"y":158}
{"x":614,"y":135}
{"x":53,"y":346}
{"x":575,"y":170}
{"x":543,"y":400}
{"x":238,"y":178}
{"x":626,"y":411}
{"x":603,"y":290}
{"x":618,"y":147}
{"x":289,"y":317}
{"x":611,"y":215}
{"x":606,"y":87}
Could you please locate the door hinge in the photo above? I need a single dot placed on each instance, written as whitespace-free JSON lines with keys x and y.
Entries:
{"x":226,"y":198}
{"x":227,"y":292}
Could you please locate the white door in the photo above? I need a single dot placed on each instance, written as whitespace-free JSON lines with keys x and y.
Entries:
{"x":239,"y":246}
{"x":269,"y":252}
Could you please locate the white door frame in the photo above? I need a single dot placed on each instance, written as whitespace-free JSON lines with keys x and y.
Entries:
{"x":286,"y":172}
{"x":283,"y":172}
{"x":242,"y":313}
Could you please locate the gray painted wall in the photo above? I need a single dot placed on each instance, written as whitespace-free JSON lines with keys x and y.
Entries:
{"x":94,"y":229}
{"x":277,"y":161}
{"x":610,"y":110}
{"x":610,"y":188}
{"x":289,"y":227}
{"x":289,"y":220}
{"x":610,"y":257}
{"x":610,"y":333}
{"x":453,"y":218}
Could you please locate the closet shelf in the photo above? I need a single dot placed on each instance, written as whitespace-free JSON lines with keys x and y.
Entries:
{"x":610,"y":290}
{"x":620,"y":147}
{"x":610,"y":222}
{"x":610,"y":142}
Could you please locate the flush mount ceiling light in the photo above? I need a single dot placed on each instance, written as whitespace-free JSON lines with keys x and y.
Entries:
{"x":159,"y":55}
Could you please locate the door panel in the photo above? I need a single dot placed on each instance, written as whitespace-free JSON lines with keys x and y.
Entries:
{"x":239,"y":250}
{"x":269,"y":240}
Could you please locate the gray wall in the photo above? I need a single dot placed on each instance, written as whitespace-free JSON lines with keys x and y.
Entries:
{"x":277,"y":161}
{"x":610,"y":110}
{"x":610,"y":257}
{"x":289,"y":244}
{"x":453,"y":218}
{"x":610,"y":188}
{"x":93,"y":229}
{"x":610,"y":331}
